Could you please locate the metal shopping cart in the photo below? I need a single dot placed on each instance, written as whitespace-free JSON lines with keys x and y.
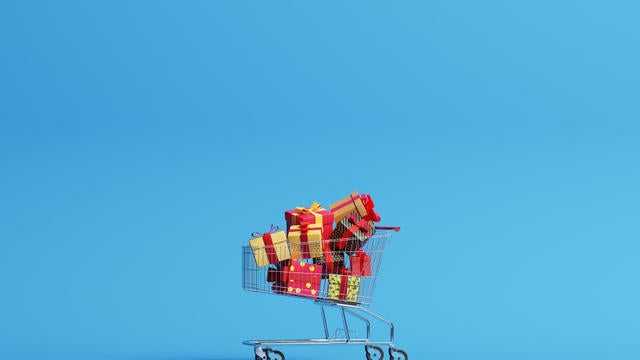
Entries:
{"x":254,"y":278}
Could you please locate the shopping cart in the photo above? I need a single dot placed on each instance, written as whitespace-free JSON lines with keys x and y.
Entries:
{"x":255,"y":279}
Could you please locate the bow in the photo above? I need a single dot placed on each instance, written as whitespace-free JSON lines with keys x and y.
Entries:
{"x":269,"y":248}
{"x":273,"y":229}
{"x":311,"y":209}
{"x":372,"y":215}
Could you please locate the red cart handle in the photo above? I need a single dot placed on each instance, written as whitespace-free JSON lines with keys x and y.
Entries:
{"x":394,"y":228}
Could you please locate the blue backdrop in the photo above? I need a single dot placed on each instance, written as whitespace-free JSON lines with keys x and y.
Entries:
{"x":142,"y":142}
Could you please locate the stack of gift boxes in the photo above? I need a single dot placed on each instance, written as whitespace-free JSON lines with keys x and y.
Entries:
{"x":314,"y":247}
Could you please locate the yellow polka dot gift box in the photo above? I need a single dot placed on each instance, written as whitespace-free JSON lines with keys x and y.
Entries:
{"x":302,"y":279}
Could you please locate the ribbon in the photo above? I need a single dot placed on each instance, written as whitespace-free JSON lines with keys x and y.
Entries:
{"x":267,"y":240}
{"x":328,"y":256}
{"x":315,"y":207}
{"x":344,"y":282}
{"x":304,"y":239}
{"x":351,"y":231}
{"x":358,"y":261}
{"x":313,"y":210}
{"x":371,"y":215}
{"x":353,"y":197}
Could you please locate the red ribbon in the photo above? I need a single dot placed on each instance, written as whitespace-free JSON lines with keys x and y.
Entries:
{"x":344,"y":280}
{"x":346,"y":203}
{"x":328,"y":256}
{"x":304,"y":239}
{"x":272,"y":256}
{"x":351,"y":231}
{"x":358,"y":260}
{"x":372,"y":215}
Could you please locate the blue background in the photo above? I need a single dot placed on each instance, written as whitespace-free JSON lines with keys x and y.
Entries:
{"x":142,"y":142}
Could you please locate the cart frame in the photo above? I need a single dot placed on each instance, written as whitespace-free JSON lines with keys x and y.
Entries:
{"x":263,"y":350}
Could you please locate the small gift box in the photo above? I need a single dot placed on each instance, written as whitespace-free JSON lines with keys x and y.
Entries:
{"x":362,"y":204}
{"x":302,"y":279}
{"x":305,"y":241}
{"x":351,"y":233}
{"x":270,"y":247}
{"x":343,"y":287}
{"x":360,"y":264}
{"x":314,"y":214}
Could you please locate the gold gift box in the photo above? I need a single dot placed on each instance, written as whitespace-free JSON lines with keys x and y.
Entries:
{"x":313,"y":241}
{"x":280,"y":248}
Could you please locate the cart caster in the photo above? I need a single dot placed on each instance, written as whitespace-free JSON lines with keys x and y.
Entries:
{"x":397,"y":354}
{"x":268,"y":354}
{"x":373,"y":352}
{"x":274,"y":355}
{"x":260,"y":353}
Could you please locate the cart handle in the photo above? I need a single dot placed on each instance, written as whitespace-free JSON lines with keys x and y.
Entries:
{"x":394,"y":228}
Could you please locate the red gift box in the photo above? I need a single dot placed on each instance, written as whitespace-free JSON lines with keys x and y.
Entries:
{"x":360,"y":264}
{"x":302,"y":279}
{"x":314,"y":214}
{"x":276,"y":276}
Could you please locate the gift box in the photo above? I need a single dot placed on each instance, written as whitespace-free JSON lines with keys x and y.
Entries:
{"x":275,"y":275}
{"x":351,"y":233}
{"x":305,"y":241}
{"x":270,"y":247}
{"x":360,"y":264}
{"x":361,"y":204}
{"x":314,"y":214}
{"x":335,"y":264}
{"x":343,"y":287}
{"x":302,"y":279}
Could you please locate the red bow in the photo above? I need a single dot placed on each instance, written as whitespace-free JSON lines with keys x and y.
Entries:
{"x":372,"y":215}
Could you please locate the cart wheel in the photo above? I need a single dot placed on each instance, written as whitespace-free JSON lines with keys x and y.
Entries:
{"x":373,"y":352}
{"x":274,"y":354}
{"x":397,"y":354}
{"x":261,"y":354}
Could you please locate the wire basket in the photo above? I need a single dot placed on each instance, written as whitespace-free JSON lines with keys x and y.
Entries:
{"x":255,"y":278}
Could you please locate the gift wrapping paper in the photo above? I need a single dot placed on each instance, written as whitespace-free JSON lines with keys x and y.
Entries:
{"x":362,"y":204}
{"x":314,"y":214}
{"x":360,"y":264}
{"x":302,"y":279}
{"x":305,"y":241}
{"x":351,"y":233}
{"x":270,"y":248}
{"x":343,"y":287}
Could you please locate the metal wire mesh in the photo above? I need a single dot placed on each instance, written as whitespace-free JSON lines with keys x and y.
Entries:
{"x":254,"y":278}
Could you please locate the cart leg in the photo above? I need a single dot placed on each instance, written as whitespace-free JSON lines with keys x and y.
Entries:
{"x":366,"y":321}
{"x":346,"y":326}
{"x":324,"y":322}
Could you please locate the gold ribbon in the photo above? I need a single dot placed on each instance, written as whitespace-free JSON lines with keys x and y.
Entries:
{"x":311,"y":209}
